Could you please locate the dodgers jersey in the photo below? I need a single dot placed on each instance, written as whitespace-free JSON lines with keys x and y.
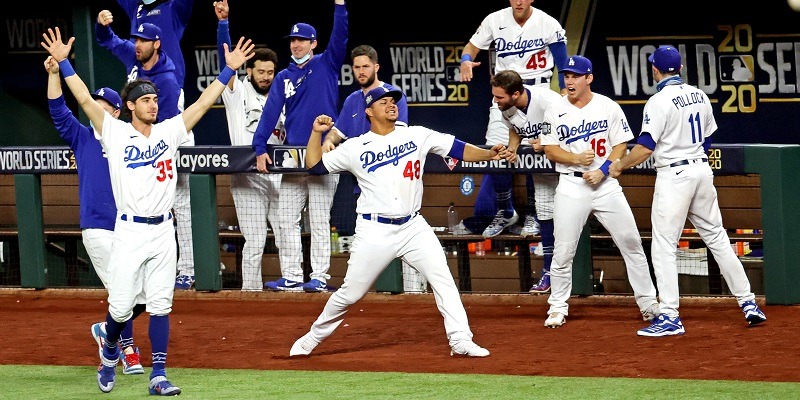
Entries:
{"x":389,"y":167}
{"x":679,"y":135}
{"x":143,"y":169}
{"x":599,"y":125}
{"x":243,"y":106}
{"x":528,"y":123}
{"x":523,"y":49}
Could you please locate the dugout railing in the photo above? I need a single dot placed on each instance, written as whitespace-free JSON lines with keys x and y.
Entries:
{"x":776,"y":166}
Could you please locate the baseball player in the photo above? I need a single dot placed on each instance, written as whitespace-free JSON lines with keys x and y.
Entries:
{"x":254,"y":195}
{"x":580,"y":133}
{"x":171,"y":16}
{"x":141,"y":160}
{"x":144,"y":59}
{"x":97,"y":211}
{"x":306,"y":88}
{"x":388,"y":163}
{"x":676,"y":130}
{"x":526,"y":40}
{"x":523,"y":108}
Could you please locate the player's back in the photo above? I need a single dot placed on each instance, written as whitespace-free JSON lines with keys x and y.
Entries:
{"x":678,"y":118}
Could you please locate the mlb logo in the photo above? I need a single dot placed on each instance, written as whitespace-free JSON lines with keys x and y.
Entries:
{"x":286,"y":159}
{"x":738,"y":68}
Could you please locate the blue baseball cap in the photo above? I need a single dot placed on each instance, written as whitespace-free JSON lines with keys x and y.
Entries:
{"x":381,"y":92}
{"x":301,"y":30}
{"x":579,"y":65}
{"x":148,"y":31}
{"x":666,"y":58}
{"x":110,"y":95}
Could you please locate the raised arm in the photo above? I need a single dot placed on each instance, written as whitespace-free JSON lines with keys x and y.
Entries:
{"x":60,"y":51}
{"x":322,"y":124}
{"x":467,"y":63}
{"x":233,"y":59}
{"x":222,"y":11}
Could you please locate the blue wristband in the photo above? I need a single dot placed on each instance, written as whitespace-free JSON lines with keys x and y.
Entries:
{"x":604,"y":167}
{"x":226,"y":74}
{"x":66,"y":68}
{"x":466,"y":57}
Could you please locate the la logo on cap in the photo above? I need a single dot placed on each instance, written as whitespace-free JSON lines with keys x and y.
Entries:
{"x":101,"y":92}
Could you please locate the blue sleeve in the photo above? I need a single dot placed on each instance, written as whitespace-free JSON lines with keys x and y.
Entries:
{"x":168,"y":93}
{"x":347,"y":124}
{"x":130,"y":7}
{"x":66,"y":124}
{"x":318,"y":169}
{"x":337,"y":45}
{"x":646,"y":140}
{"x":124,"y":50}
{"x":223,"y":36}
{"x":270,"y":115}
{"x":707,"y":144}
{"x":402,"y":109}
{"x":183,"y":10}
{"x":457,"y":151}
{"x":559,"y":51}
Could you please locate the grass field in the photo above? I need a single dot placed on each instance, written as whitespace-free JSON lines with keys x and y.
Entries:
{"x":60,"y":382}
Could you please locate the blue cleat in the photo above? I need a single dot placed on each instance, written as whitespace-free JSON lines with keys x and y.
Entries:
{"x":284,"y":285}
{"x":107,"y":371}
{"x":663,"y":325}
{"x":160,"y":386}
{"x":316,"y":285}
{"x":752,"y":313}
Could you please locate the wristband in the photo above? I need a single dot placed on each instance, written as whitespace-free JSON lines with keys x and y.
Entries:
{"x":66,"y":68}
{"x":466,"y":57}
{"x":226,"y":74}
{"x":604,"y":167}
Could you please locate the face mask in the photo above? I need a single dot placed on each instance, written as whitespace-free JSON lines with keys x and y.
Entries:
{"x":303,"y":59}
{"x":148,"y":2}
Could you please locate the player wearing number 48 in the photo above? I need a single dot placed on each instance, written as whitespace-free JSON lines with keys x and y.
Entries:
{"x":389,"y":224}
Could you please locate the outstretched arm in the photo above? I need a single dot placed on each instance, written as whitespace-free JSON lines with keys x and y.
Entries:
{"x":637,"y":155}
{"x":233,"y":59}
{"x":60,"y":51}
{"x":222,"y":11}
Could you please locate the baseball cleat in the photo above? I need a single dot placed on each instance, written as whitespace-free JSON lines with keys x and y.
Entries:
{"x":651,"y":312}
{"x":303,"y":346}
{"x":543,"y":286}
{"x":752,"y":313}
{"x":663,"y":325}
{"x":284,"y":285}
{"x":530,"y":228}
{"x":131,"y":363}
{"x":184,"y":282}
{"x":106,"y":372}
{"x":468,"y":348}
{"x":499,"y":223}
{"x":159,"y":385}
{"x":316,"y":285}
{"x":555,"y":319}
{"x":99,"y":334}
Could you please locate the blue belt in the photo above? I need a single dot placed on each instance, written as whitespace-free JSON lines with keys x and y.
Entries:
{"x":147,"y":220}
{"x":536,"y":81}
{"x":578,"y":174}
{"x":687,"y":162}
{"x":391,"y":221}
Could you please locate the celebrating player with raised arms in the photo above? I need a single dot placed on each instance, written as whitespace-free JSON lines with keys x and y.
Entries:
{"x":388,"y":162}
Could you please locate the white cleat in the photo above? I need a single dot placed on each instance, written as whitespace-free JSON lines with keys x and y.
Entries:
{"x":468,"y":348}
{"x":303,"y":346}
{"x":554,"y":320}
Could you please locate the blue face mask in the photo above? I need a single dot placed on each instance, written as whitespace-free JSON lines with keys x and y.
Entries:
{"x":303,"y":59}
{"x":148,"y":2}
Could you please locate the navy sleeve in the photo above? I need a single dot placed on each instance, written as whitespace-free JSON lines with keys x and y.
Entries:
{"x":646,"y":140}
{"x":318,"y":169}
{"x":457,"y":151}
{"x":223,"y":36}
{"x":559,"y":51}
{"x":707,"y":144}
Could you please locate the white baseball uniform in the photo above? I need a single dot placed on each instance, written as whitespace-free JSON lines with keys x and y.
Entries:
{"x":599,"y":125}
{"x":255,"y":195}
{"x":528,"y":125}
{"x":143,"y":179}
{"x":523,"y":49}
{"x":389,"y":172}
{"x":679,"y":118}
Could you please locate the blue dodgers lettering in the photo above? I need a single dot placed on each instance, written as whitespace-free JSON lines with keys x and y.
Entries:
{"x":392,"y":155}
{"x":517,"y":48}
{"x":688,"y":99}
{"x":531,"y":131}
{"x":147,"y":157}
{"x":583,"y":131}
